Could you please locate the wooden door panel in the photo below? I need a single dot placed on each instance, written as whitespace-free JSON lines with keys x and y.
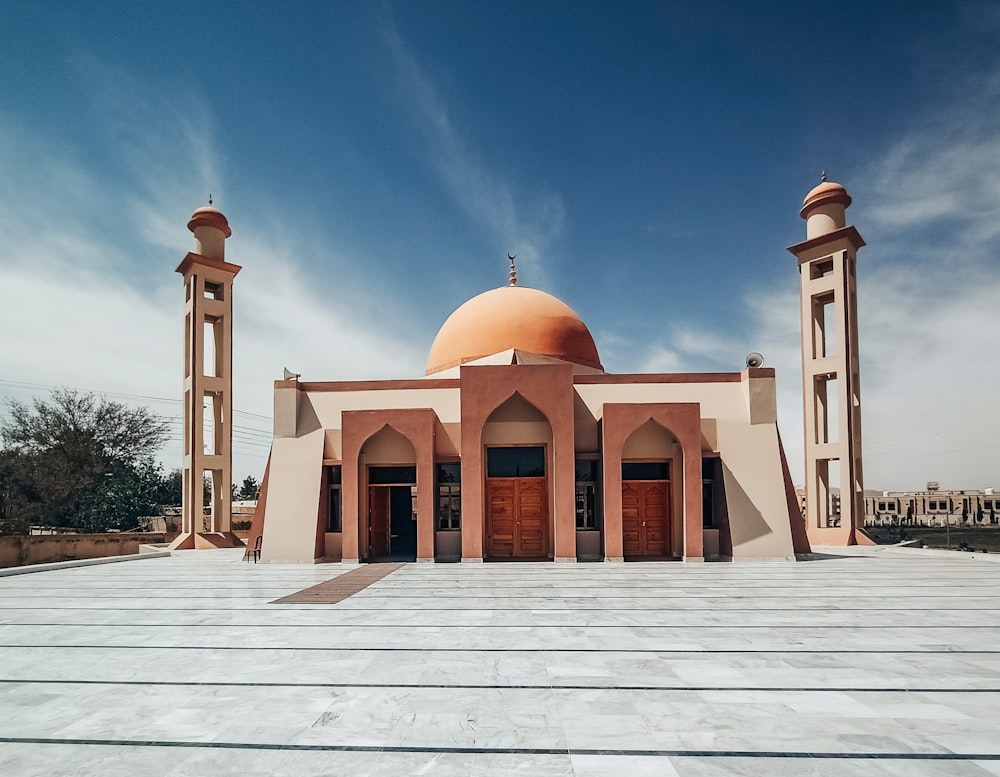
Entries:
{"x":655,"y":543}
{"x":657,"y":499}
{"x":631,"y":543}
{"x":631,"y":519}
{"x":379,"y":524}
{"x":531,"y":539}
{"x":500,"y":495}
{"x":532,"y":517}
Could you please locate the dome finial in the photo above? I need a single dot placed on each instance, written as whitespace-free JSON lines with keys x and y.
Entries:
{"x":513,"y":270}
{"x":210,"y":198}
{"x":822,"y":176}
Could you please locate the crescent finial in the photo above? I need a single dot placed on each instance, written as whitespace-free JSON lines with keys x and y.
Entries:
{"x":513,"y":269}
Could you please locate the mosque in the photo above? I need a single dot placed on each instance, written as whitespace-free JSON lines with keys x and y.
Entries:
{"x":517,"y":445}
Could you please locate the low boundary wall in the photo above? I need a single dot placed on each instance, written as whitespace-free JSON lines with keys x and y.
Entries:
{"x":22,"y":550}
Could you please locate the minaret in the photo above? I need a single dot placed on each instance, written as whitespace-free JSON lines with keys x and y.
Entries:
{"x":830,"y":374}
{"x":208,"y":383}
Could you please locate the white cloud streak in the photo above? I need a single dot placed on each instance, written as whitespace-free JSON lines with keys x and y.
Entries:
{"x":87,"y":261}
{"x":90,"y":298}
{"x":485,"y":196}
{"x":929,"y":286}
{"x":928,"y":291}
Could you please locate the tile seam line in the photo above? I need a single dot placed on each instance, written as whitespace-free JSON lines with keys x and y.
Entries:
{"x":910,"y":756}
{"x":512,"y":687}
{"x":534,"y":650}
{"x":481,"y":626}
{"x":498,"y":627}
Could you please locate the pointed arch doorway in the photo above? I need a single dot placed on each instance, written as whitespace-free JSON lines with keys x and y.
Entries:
{"x":647,"y":497}
{"x":390,"y":531}
{"x":517,"y":519}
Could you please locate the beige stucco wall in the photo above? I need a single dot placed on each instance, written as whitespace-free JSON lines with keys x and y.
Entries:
{"x":328,"y":405}
{"x":755,"y":494}
{"x":293,"y":498}
{"x":517,"y":433}
{"x":718,"y":400}
{"x":298,"y":412}
{"x":650,"y":441}
{"x":388,"y":447}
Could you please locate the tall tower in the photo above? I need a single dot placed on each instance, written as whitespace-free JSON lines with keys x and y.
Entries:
{"x":208,"y":384}
{"x":831,"y":385}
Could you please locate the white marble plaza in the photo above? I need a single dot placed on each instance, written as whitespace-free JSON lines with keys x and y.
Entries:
{"x":862,"y":662}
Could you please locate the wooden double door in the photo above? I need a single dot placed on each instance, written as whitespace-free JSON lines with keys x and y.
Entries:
{"x":517,"y":518}
{"x":646,"y":518}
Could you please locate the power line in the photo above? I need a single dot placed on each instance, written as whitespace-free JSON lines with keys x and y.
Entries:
{"x":169,"y":400}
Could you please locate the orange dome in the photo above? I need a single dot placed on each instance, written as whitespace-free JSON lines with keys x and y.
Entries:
{"x":208,"y":216}
{"x":512,"y":317}
{"x":827,"y":192}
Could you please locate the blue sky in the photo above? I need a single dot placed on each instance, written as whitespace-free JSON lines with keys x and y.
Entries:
{"x":377,"y":162}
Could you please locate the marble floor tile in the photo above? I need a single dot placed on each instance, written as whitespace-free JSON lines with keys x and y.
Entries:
{"x":181,"y":666}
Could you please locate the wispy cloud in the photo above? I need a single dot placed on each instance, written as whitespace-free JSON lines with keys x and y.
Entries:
{"x":945,"y":170}
{"x":87,"y":260}
{"x":529,"y":222}
{"x":929,"y":282}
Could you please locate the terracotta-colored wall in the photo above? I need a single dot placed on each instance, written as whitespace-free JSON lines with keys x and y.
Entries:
{"x":550,"y":389}
{"x":418,"y":425}
{"x":737,"y":426}
{"x":683,"y":420}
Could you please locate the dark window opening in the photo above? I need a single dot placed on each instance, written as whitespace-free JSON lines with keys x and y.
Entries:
{"x":392,"y":476}
{"x":586,"y":506}
{"x":449,"y":480}
{"x":334,"y":518}
{"x":213,"y":290}
{"x":645,"y":470}
{"x":822,"y":268}
{"x":586,"y":494}
{"x":586,"y":470}
{"x":515,"y":462}
{"x":707,"y":505}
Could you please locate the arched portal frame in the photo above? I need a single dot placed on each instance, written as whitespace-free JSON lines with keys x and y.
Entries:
{"x":683,"y":420}
{"x":418,"y":426}
{"x":549,"y":388}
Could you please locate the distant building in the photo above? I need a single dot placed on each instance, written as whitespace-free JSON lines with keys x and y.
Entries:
{"x":833,"y":509}
{"x":933,"y":507}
